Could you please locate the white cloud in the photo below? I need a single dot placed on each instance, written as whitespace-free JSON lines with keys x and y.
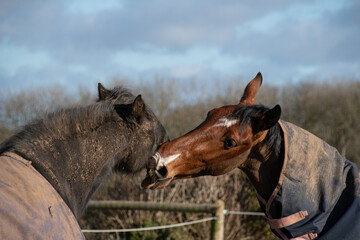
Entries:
{"x":184,"y":39}
{"x":92,"y":7}
{"x":293,"y":14}
{"x":153,"y":57}
{"x":14,"y":57}
{"x":186,"y":71}
{"x":189,"y":63}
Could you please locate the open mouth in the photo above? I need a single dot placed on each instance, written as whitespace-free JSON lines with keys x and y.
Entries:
{"x":155,"y":178}
{"x":148,"y":183}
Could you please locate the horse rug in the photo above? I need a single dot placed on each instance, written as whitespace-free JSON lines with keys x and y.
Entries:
{"x":30,"y":208}
{"x":318,"y":193}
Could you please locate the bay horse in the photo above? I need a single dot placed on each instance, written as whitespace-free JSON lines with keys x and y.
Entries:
{"x":50,"y":169}
{"x":306,"y":189}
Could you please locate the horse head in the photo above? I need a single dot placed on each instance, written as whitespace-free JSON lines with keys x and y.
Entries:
{"x":147,"y":133}
{"x":218,"y":145}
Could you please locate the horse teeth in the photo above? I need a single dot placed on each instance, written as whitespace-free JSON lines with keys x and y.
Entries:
{"x":158,"y":174}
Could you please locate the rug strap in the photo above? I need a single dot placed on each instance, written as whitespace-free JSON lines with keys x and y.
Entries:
{"x":287,"y":221}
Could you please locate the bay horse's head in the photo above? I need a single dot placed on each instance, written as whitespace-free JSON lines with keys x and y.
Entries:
{"x":220,"y":144}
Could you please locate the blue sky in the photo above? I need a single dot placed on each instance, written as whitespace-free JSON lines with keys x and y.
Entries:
{"x":71,"y":43}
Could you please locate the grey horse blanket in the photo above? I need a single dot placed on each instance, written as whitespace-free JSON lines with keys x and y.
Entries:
{"x":318,"y":193}
{"x":30,"y":208}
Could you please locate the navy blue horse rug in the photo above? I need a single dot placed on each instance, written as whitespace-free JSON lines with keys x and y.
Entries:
{"x":318,"y":193}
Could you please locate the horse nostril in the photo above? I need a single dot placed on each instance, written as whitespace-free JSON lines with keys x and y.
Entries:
{"x":162,"y":172}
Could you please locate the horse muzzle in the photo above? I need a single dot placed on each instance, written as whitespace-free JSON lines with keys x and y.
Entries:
{"x":156,"y":174}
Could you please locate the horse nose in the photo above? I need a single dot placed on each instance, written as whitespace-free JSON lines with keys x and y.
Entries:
{"x":161,"y":172}
{"x":158,"y":166}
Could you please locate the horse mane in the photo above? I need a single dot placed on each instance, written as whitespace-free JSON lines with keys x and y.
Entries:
{"x":74,"y":120}
{"x":273,"y":138}
{"x":120,"y":94}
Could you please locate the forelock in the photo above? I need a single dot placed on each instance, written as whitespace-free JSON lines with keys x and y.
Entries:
{"x":246,"y":113}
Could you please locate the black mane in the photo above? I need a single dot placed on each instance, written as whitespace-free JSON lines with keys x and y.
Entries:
{"x":273,"y":138}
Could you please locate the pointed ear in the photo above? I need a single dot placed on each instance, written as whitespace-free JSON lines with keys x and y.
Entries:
{"x":266,"y":120}
{"x":103,"y":92}
{"x":250,"y":91}
{"x":138,"y":107}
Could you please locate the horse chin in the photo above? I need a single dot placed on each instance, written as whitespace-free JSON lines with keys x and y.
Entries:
{"x":162,"y":183}
{"x":149,"y":183}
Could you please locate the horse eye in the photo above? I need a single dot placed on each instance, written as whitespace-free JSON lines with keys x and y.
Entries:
{"x":229,"y":143}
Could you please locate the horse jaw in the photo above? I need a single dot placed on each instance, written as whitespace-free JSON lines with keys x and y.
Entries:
{"x":149,"y":183}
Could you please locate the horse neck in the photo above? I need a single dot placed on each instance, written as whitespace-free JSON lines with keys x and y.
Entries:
{"x":77,"y":163}
{"x":264,"y":166}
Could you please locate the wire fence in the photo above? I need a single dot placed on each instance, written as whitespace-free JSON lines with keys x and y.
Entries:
{"x":215,"y":209}
{"x":229,"y":212}
{"x":148,"y":228}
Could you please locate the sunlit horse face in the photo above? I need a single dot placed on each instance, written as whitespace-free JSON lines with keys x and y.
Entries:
{"x":215,"y":147}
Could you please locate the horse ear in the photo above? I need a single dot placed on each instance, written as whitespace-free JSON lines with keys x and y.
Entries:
{"x":250,"y":91}
{"x":266,"y":120}
{"x":138,"y":107}
{"x":103,"y":92}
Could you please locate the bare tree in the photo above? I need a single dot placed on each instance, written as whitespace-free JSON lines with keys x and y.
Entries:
{"x":329,"y":110}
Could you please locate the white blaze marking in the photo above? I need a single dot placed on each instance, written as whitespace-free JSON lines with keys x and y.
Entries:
{"x":169,"y":159}
{"x":225,"y":122}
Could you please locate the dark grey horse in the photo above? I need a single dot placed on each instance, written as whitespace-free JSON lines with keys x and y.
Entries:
{"x":74,"y":149}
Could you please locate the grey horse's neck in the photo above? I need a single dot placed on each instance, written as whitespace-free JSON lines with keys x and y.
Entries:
{"x":74,"y":156}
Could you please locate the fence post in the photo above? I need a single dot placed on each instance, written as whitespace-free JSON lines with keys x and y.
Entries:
{"x":217,"y":226}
